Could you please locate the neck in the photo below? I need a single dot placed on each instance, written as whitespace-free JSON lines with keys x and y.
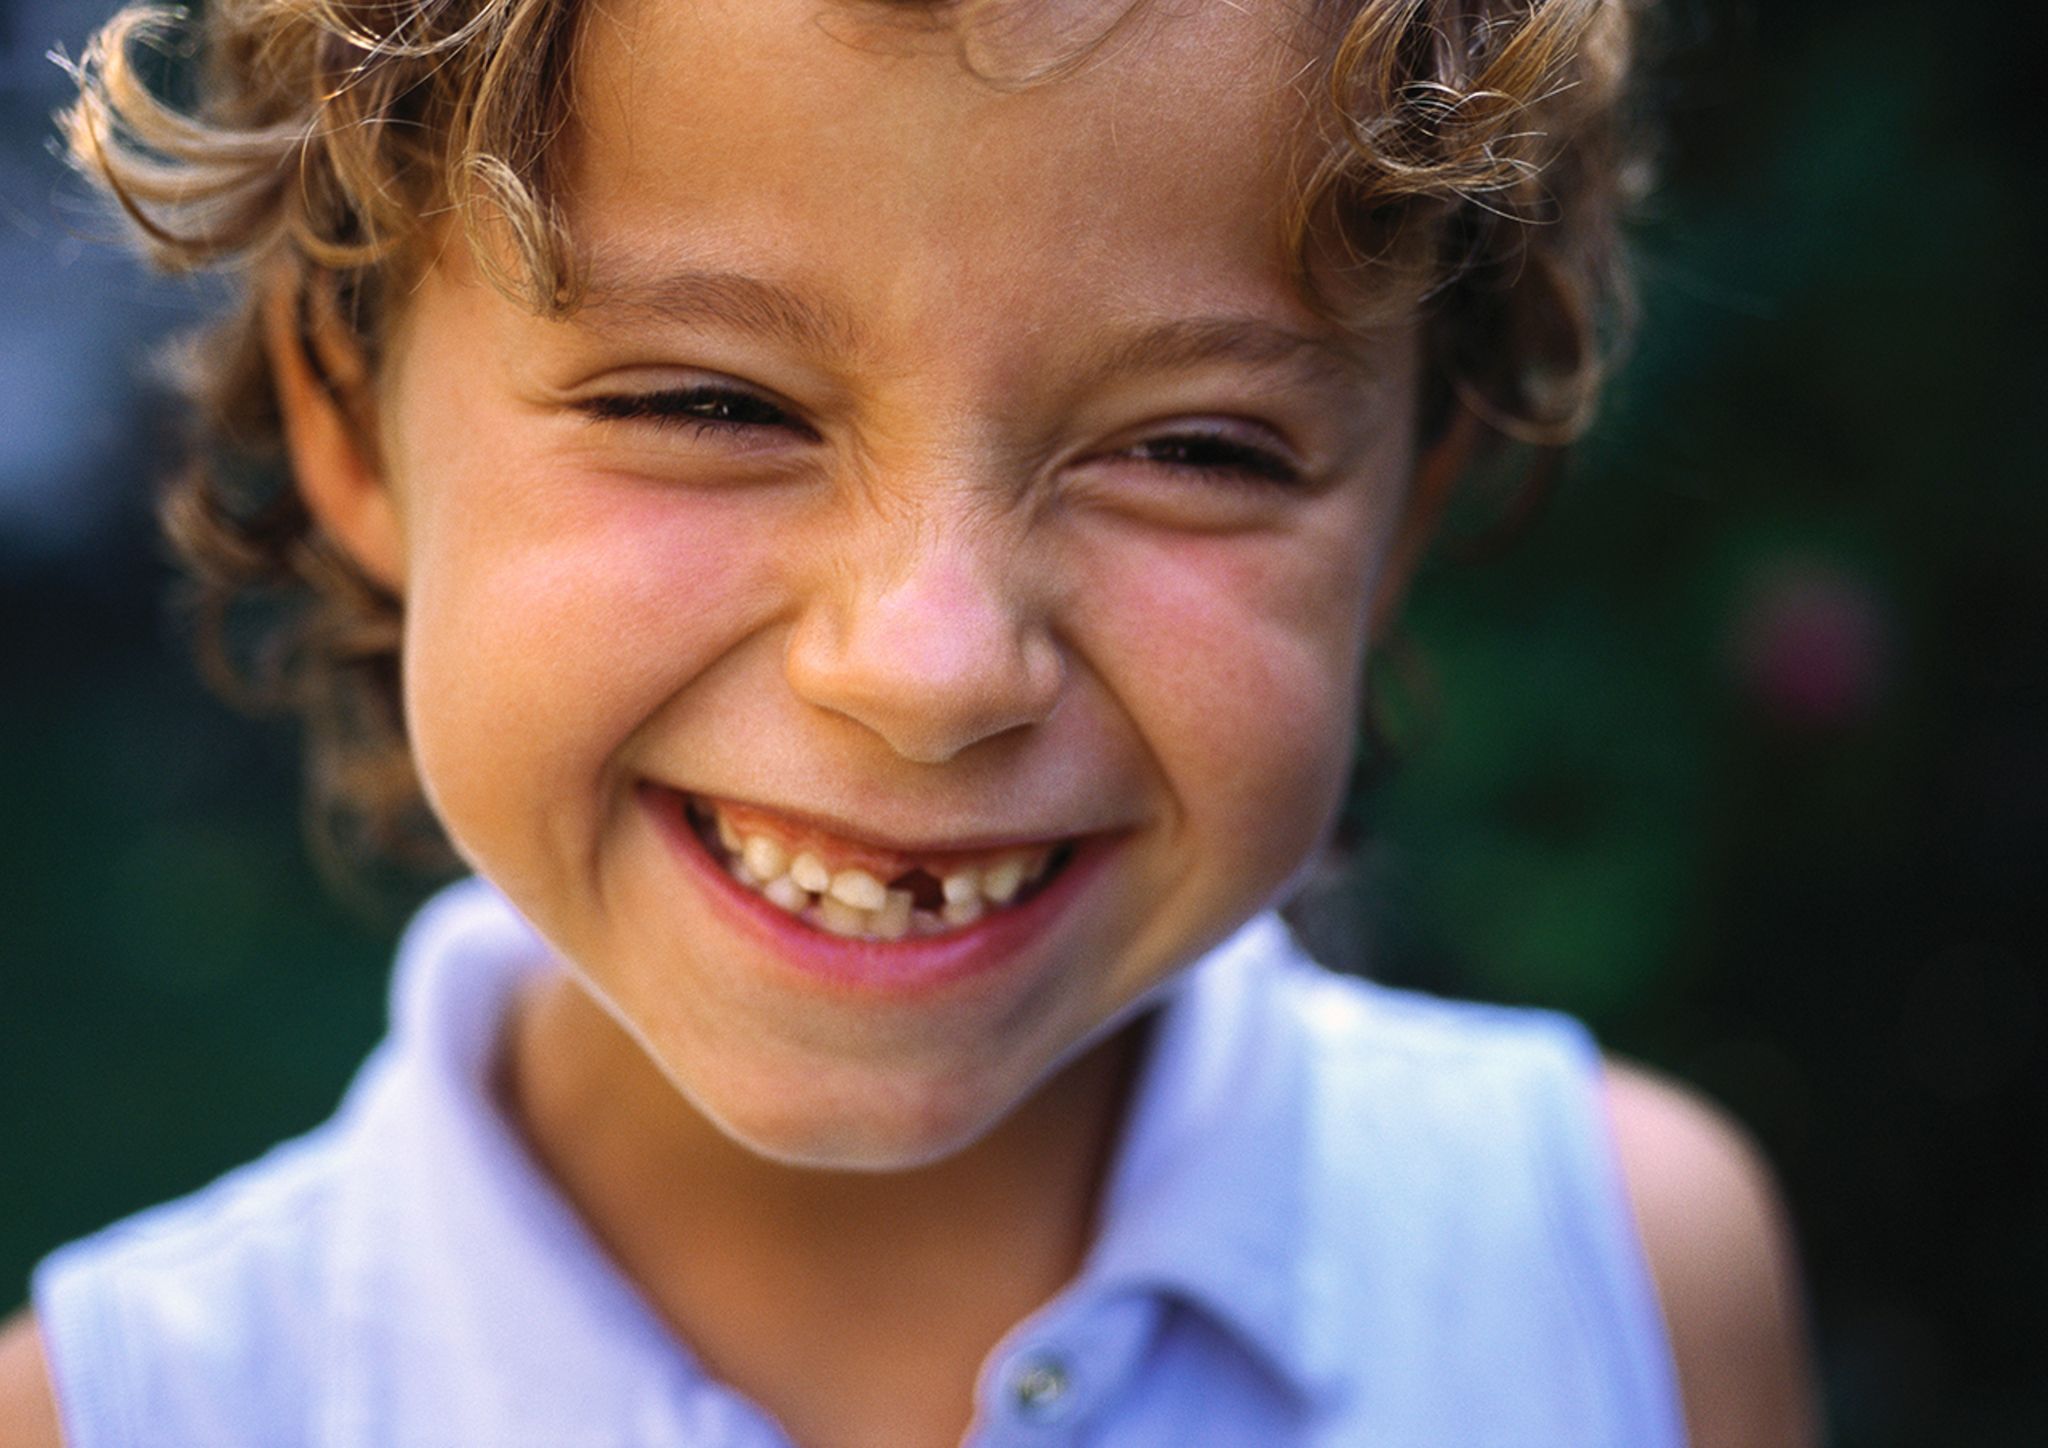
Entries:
{"x":831,"y":1298}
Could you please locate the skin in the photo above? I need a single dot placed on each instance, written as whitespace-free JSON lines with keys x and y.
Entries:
{"x":1720,"y":1251}
{"x":974,"y":567}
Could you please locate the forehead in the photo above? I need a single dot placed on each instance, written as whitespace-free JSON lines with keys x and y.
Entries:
{"x":1148,"y":82}
{"x":855,"y":155}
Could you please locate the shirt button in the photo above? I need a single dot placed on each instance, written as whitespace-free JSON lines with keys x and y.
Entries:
{"x":1040,"y":1386}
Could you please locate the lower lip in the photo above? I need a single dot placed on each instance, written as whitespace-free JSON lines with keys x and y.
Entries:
{"x":884,"y":967}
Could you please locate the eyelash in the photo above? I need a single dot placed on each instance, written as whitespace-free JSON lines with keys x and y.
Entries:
{"x":723,"y":411}
{"x":1225,"y":457}
{"x":704,"y":410}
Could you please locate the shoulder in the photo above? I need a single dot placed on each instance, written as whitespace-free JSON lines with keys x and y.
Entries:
{"x":28,"y":1410}
{"x":1355,"y":1020}
{"x":255,"y":1232}
{"x":1720,"y":1250}
{"x":203,"y":1319}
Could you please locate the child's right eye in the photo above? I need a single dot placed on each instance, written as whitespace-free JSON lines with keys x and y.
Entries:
{"x":705,"y":409}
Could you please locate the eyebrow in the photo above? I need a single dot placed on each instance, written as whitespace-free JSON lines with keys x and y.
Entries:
{"x":727,"y":299}
{"x":1182,"y":344}
{"x":779,"y":313}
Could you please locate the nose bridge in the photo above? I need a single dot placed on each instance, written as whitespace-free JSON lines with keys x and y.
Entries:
{"x":934,"y":586}
{"x":928,"y":631}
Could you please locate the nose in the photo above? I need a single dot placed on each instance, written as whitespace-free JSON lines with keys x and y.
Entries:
{"x":934,"y":650}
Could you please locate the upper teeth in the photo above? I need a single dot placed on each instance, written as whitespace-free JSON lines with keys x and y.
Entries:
{"x":764,"y":857}
{"x":859,"y":889}
{"x":810,"y":873}
{"x":854,"y":901}
{"x":1003,"y":880}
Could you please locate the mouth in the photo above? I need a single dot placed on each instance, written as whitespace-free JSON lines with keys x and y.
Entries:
{"x":861,"y":890}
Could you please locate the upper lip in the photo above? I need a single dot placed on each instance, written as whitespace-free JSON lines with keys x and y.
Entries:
{"x":962,"y":841}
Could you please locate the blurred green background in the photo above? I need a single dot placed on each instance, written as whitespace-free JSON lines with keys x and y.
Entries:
{"x":1741,"y":753}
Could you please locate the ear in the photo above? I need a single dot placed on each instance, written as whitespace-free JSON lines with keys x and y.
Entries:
{"x":333,"y":463}
{"x":1437,"y":472}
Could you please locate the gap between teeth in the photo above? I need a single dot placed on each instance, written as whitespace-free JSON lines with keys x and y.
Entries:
{"x":853,"y":902}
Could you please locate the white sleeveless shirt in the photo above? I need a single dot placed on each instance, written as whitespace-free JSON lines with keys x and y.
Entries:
{"x":1338,"y":1215}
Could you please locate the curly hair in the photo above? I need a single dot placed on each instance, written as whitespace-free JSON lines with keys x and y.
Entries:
{"x":1468,"y":152}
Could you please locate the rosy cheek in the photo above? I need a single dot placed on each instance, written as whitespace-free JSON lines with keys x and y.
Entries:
{"x":553,"y":616}
{"x":1238,"y":658}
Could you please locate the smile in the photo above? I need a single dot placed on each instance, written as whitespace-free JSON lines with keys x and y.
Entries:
{"x":863,"y":891}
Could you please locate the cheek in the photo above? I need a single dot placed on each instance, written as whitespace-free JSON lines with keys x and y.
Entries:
{"x":548,"y":619}
{"x":1239,"y":660}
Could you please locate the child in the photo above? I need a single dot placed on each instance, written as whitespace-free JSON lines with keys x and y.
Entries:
{"x":871,"y":516}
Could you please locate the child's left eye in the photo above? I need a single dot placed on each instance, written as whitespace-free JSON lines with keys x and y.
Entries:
{"x":708,"y":409}
{"x":1217,"y":454}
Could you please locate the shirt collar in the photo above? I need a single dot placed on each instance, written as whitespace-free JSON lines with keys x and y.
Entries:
{"x":1206,"y":1200}
{"x":466,"y":1236}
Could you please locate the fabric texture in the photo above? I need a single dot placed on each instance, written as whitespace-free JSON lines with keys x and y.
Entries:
{"x":1338,"y":1215}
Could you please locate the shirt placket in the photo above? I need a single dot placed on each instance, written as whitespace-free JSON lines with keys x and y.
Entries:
{"x":1055,"y":1380}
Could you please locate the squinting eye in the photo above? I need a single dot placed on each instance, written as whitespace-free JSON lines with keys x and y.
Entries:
{"x":707,"y":409}
{"x":1223,"y":456}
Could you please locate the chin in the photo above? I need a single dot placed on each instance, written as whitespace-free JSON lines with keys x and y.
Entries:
{"x":870,"y":1128}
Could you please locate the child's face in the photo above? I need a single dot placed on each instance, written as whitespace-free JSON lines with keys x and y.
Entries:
{"x":938,"y":473}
